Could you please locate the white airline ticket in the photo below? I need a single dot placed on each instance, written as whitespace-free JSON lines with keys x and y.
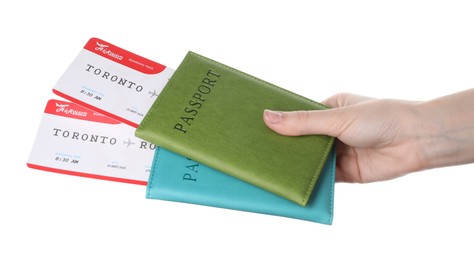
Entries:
{"x":75,"y":140}
{"x":113,"y":81}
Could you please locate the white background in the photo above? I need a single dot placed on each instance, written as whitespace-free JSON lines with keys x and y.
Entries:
{"x":415,"y":50}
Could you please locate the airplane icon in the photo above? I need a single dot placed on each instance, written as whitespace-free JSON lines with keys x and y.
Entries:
{"x":62,"y":106}
{"x":102,"y":45}
{"x":153,"y":94}
{"x":128,"y":143}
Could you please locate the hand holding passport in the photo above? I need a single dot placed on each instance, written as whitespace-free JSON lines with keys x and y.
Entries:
{"x":212,"y":145}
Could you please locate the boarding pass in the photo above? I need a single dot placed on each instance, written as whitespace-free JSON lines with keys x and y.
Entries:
{"x":75,"y":140}
{"x":113,"y":81}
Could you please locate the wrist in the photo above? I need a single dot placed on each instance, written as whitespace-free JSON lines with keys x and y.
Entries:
{"x":445,"y":131}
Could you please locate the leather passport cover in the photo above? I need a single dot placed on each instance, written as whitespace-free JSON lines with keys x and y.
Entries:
{"x":176,"y":178}
{"x":213,"y":113}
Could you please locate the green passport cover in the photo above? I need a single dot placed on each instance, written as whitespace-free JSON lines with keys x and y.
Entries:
{"x":212,"y":113}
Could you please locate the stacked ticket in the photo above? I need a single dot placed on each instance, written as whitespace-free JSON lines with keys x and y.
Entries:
{"x":108,"y":91}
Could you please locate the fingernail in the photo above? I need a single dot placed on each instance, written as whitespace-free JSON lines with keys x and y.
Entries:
{"x":272,"y":117}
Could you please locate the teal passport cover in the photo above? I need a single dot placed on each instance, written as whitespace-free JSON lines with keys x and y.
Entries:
{"x":213,"y":113}
{"x":177,"y":178}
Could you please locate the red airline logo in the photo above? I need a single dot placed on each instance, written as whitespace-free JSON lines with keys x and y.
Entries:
{"x":72,"y":110}
{"x":124,"y":57}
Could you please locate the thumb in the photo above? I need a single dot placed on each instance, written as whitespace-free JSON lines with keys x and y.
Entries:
{"x":297,"y":123}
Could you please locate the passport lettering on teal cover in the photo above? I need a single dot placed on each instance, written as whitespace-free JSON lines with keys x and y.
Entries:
{"x":213,"y":113}
{"x":177,"y":178}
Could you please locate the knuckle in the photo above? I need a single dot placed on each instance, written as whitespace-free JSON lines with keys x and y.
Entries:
{"x":302,"y":121}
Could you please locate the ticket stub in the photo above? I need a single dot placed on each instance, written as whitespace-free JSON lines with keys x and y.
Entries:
{"x":75,"y":140}
{"x":113,"y":81}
